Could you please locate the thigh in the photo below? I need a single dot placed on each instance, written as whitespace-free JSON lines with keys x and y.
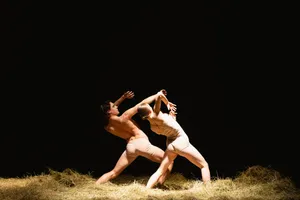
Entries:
{"x":124,"y":161}
{"x":169,"y":157}
{"x":193,"y":155}
{"x":146,"y":149}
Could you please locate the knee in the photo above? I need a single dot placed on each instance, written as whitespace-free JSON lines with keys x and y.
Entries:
{"x":205,"y":165}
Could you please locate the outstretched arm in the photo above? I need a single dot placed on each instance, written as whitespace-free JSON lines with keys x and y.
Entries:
{"x":132,"y":111}
{"x":126,"y":95}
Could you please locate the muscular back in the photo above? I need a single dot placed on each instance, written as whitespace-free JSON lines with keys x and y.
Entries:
{"x":164,"y":124}
{"x":124,"y":127}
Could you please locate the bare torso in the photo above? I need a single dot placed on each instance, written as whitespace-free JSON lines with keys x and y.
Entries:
{"x":124,"y":127}
{"x":164,"y":124}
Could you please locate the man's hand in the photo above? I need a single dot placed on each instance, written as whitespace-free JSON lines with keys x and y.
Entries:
{"x":128,"y":95}
{"x":173,"y":114}
{"x":171,"y":106}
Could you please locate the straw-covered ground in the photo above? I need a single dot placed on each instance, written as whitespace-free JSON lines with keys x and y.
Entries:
{"x":255,"y":183}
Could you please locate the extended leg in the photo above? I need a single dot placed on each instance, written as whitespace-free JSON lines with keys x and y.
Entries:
{"x":194,"y":156}
{"x":122,"y":163}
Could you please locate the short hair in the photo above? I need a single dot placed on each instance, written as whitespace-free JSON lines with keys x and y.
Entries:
{"x":143,"y":111}
{"x":105,"y":107}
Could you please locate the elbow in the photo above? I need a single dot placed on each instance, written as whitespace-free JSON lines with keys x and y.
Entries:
{"x":159,"y":94}
{"x":158,"y":97}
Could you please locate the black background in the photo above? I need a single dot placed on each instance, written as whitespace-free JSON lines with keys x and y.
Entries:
{"x":223,"y":63}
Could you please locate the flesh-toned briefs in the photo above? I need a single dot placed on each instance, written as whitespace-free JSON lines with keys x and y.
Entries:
{"x":140,"y":147}
{"x":178,"y":143}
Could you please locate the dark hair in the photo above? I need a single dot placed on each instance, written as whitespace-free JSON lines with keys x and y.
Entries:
{"x":105,"y":107}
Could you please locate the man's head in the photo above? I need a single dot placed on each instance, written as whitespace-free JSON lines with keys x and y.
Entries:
{"x":109,"y":109}
{"x":144,"y":110}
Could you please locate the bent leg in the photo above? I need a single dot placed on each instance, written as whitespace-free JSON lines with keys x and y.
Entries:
{"x":163,"y":168}
{"x":122,"y":163}
{"x":155,"y":154}
{"x":194,"y":156}
{"x":163,"y":177}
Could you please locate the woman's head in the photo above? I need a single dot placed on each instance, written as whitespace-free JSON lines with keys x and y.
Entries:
{"x":144,"y":110}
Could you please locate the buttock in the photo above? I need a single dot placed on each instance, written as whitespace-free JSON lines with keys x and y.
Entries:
{"x":178,"y":144}
{"x":139,"y":146}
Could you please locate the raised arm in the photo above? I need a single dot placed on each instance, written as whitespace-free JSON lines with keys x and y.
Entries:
{"x":126,"y":95}
{"x":161,"y":96}
{"x":132,"y":111}
{"x":157,"y":106}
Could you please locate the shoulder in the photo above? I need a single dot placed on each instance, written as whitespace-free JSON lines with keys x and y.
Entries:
{"x":162,"y":116}
{"x":114,"y":118}
{"x":125,"y":116}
